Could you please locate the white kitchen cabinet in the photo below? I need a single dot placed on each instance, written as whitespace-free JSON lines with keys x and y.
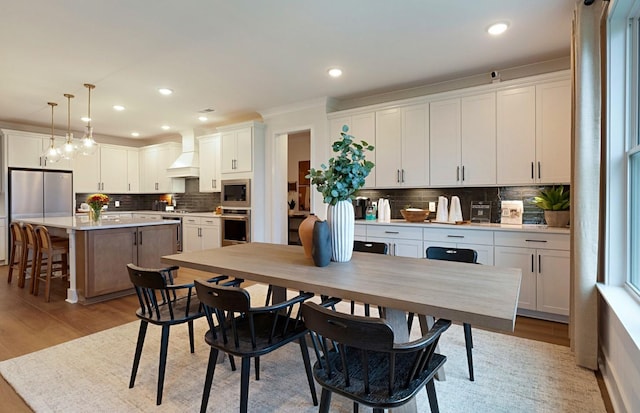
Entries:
{"x":209,"y":148}
{"x":544,"y":261}
{"x":86,"y":173}
{"x":362,"y":127}
{"x":199,"y":233}
{"x":237,"y":148}
{"x":111,"y":169}
{"x":402,"y":147}
{"x":360,"y":233}
{"x":462,"y":136}
{"x":154,"y":161}
{"x":152,"y":217}
{"x":26,"y":149}
{"x":534,"y":134}
{"x":403,"y":241}
{"x":480,"y":241}
{"x":133,"y":170}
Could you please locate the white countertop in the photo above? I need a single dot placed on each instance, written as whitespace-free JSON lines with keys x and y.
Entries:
{"x":82,"y":223}
{"x":481,"y":227}
{"x":163,"y":213}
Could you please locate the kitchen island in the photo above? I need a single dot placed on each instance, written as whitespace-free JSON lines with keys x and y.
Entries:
{"x":99,"y":252}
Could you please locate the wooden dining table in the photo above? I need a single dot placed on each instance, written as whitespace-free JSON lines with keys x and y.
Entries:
{"x":481,"y":295}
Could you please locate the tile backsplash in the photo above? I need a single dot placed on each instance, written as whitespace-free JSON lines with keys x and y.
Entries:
{"x":420,"y":198}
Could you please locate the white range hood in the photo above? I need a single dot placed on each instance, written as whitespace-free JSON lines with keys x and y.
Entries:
{"x":188,"y":163}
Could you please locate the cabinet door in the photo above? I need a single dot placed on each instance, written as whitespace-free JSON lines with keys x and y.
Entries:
{"x":154,"y":242}
{"x":211,"y":236}
{"x":516,"y":136}
{"x":228,"y":152}
{"x":444,"y":142}
{"x":485,"y":252}
{"x":24,"y":151}
{"x":191,"y":240}
{"x":86,"y":177}
{"x":401,"y":247}
{"x":478,"y":141}
{"x":523,"y":258}
{"x":415,"y":146}
{"x":167,"y":154}
{"x":209,"y":164}
{"x":244,"y":150}
{"x":553,"y":281}
{"x":113,"y":169}
{"x":133,"y":170}
{"x":363,"y":128}
{"x":388,"y":150}
{"x":148,"y":169}
{"x":553,"y":132}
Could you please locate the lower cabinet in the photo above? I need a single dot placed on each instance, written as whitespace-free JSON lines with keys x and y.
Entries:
{"x":102,"y":256}
{"x":544,"y":260}
{"x":200,"y":233}
{"x":402,"y":241}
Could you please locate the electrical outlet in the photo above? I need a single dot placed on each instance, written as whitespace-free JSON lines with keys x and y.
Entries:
{"x":432,"y":207}
{"x":117,"y":204}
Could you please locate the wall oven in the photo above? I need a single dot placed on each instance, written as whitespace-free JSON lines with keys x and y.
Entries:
{"x":179,"y":232}
{"x":236,"y":226}
{"x":236,"y":193}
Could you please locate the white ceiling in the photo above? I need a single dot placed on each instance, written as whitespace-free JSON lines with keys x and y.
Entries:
{"x":242,"y":56}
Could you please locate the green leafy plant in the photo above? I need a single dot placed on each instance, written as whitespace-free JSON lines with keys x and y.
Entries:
{"x":553,"y":199}
{"x":346,"y":172}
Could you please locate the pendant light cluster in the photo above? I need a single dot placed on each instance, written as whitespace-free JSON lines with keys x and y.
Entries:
{"x":70,"y":148}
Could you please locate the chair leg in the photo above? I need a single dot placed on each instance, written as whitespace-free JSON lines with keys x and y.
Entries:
{"x":356,"y":407}
{"x":410,"y":322}
{"x":468,"y":341}
{"x":191,"y":344}
{"x":431,"y":393}
{"x":325,"y":401}
{"x":353,"y":307}
{"x":136,"y":358}
{"x":232,"y":362}
{"x":307,"y":367}
{"x":257,"y":368}
{"x":211,"y":368}
{"x":164,"y":344}
{"x":244,"y":384}
{"x":367,"y":310}
{"x":47,"y":285}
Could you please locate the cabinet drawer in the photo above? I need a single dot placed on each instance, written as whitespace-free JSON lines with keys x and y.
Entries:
{"x":191,"y":220}
{"x":360,"y":231}
{"x":532,"y":240}
{"x":210,"y":222}
{"x":460,"y":236}
{"x":394,"y":231}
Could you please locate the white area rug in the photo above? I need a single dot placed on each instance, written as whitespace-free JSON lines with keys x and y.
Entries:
{"x":91,"y":374}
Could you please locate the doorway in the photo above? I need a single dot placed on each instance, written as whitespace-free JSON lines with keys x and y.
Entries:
{"x":298,"y":187}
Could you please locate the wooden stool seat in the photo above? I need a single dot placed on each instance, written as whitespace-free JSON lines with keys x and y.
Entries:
{"x":17,"y":257}
{"x":51,"y":257}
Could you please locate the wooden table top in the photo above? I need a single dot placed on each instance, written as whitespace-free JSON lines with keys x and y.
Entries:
{"x":482,"y":295}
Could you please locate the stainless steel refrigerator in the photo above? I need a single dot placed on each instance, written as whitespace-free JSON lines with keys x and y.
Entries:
{"x":39,"y":194}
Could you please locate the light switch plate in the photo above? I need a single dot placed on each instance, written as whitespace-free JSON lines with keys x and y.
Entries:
{"x":117,"y":204}
{"x":432,"y":207}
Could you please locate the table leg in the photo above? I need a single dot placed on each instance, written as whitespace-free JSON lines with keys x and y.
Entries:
{"x":426,"y":322}
{"x":72,"y":291}
{"x":398,"y":321}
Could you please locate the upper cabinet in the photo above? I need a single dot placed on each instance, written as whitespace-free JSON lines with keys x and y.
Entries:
{"x":402,"y":147}
{"x":363,"y":128}
{"x":111,"y":169}
{"x":534,"y":134}
{"x":209,"y":148}
{"x":237,"y":150}
{"x":154,"y":161}
{"x":26,"y":149}
{"x":463,"y":141}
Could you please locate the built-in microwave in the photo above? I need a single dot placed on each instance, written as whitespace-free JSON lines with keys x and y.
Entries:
{"x":236,"y":193}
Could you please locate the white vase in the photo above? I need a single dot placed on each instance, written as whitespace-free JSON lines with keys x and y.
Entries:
{"x":341,"y":220}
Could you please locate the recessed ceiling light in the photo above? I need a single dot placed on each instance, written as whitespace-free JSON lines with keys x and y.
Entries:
{"x":118,"y":107}
{"x":202,"y":118}
{"x":166,"y":127}
{"x":335,"y":72}
{"x":497,"y":28}
{"x":135,"y":134}
{"x":165,"y":91}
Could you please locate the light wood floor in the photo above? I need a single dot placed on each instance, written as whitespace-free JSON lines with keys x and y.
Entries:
{"x":28,"y":324}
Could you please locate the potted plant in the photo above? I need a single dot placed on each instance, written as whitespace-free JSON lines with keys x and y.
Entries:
{"x":338,"y":183}
{"x":555,"y":202}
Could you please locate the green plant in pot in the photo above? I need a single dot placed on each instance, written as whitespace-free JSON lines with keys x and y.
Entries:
{"x":338,"y":182}
{"x":555,"y":202}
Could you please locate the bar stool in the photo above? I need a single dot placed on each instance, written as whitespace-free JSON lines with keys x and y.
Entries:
{"x":17,"y":257}
{"x":53,"y":256}
{"x":31,"y":251}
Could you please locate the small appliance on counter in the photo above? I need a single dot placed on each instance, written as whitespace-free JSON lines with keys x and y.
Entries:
{"x":360,"y":207}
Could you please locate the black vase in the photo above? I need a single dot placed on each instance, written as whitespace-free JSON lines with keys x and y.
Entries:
{"x":321,"y":246}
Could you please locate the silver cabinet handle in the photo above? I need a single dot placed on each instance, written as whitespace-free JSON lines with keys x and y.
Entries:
{"x":539,"y":174}
{"x":403,"y":175}
{"x":532,"y":176}
{"x":539,"y":265}
{"x":397,"y":175}
{"x":535,"y":240}
{"x":455,"y":236}
{"x":129,"y":186}
{"x":532,"y":270}
{"x":457,"y":173}
{"x":135,"y":238}
{"x":391,"y":232}
{"x":463,"y":172}
{"x":139,"y":237}
{"x":98,"y":186}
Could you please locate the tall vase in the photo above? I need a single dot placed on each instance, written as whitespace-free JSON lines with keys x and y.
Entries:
{"x":305,"y":232}
{"x":321,"y":250}
{"x":341,"y":219}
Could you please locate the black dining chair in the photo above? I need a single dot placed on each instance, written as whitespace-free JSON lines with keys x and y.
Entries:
{"x":238,"y":329}
{"x":164,"y":304}
{"x":458,"y":255}
{"x":374,"y":248}
{"x":366,"y":365}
